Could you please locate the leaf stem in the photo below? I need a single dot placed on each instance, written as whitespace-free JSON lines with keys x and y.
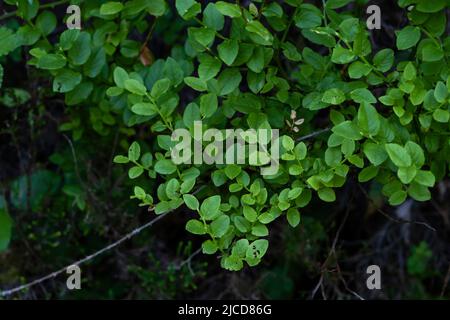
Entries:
{"x":204,"y":25}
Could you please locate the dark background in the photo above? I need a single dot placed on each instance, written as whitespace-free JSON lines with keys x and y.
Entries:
{"x":324,"y":258}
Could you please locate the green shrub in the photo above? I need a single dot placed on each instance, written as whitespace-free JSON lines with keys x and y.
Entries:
{"x":272,"y":65}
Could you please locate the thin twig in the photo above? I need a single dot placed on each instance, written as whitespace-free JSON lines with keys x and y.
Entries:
{"x":397,"y":220}
{"x":330,"y":253}
{"x":85,"y":259}
{"x":75,"y":159}
{"x":345,"y":283}
{"x":188,"y":261}
{"x":150,"y":33}
{"x":447,"y":278}
{"x":312,"y":135}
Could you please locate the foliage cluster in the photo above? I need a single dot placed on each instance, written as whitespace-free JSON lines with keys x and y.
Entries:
{"x":291,"y":65}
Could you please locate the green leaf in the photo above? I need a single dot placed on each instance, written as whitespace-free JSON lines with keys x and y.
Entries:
{"x":5,"y":229}
{"x":368,"y":118}
{"x":335,"y":4}
{"x":397,"y":198}
{"x":120,"y":76}
{"x":256,"y":81}
{"x":165,"y":167}
{"x":46,"y":22}
{"x":188,"y":8}
{"x":8,"y":41}
{"x":220,"y":226}
{"x":290,"y":51}
{"x":363,"y":96}
{"x":308,"y":18}
{"x":362,"y":45}
{"x":416,"y":153}
{"x":121,"y":159}
{"x":327,"y":194}
{"x":173,"y":71}
{"x":209,"y":67}
{"x":431,"y":6}
{"x":333,"y":157}
{"x":441,"y":92}
{"x":162,"y":207}
{"x":210,"y":207}
{"x":320,"y":35}
{"x":358,"y":70}
{"x":419,"y":192}
{"x":375,"y":153}
{"x":342,"y":55}
{"x":407,"y":174}
{"x":256,"y":62}
{"x":383,"y":60}
{"x":288,"y":143}
{"x":135,"y":172}
{"x":333,"y":96}
{"x":111,"y":7}
{"x":293,"y":217}
{"x":196,"y":83}
{"x":257,"y":28}
{"x":52,"y":62}
{"x":204,"y":36}
{"x":228,"y":51}
{"x":209,"y":247}
{"x":232,"y":171}
{"x":26,"y":36}
{"x":68,"y":38}
{"x":95,"y":64}
{"x":249,"y":213}
{"x":145,"y":109}
{"x":139,"y":192}
{"x":134,"y":152}
{"x":27,"y":9}
{"x":81,"y":50}
{"x":398,"y":154}
{"x":425,"y":178}
{"x":156,"y":8}
{"x":348,"y":130}
{"x":208,"y":105}
{"x":191,"y":114}
{"x":368,"y":174}
{"x":195,"y":227}
{"x":232,"y":263}
{"x":212,"y":18}
{"x":432,"y":52}
{"x":408,"y":37}
{"x":300,"y":151}
{"x":441,"y":115}
{"x":228,"y":9}
{"x":79,"y":94}
{"x":240,"y":248}
{"x":260,"y":230}
{"x":241,"y":224}
{"x":191,"y":201}
{"x":66,"y":80}
{"x":147,"y":160}
{"x":409,"y":75}
{"x":410,"y":72}
{"x":349,"y":29}
{"x":257,"y":249}
{"x":229,"y":80}
{"x":160,"y":87}
{"x":135,"y":87}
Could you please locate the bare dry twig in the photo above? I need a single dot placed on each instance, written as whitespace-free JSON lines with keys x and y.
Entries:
{"x":54,"y":274}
